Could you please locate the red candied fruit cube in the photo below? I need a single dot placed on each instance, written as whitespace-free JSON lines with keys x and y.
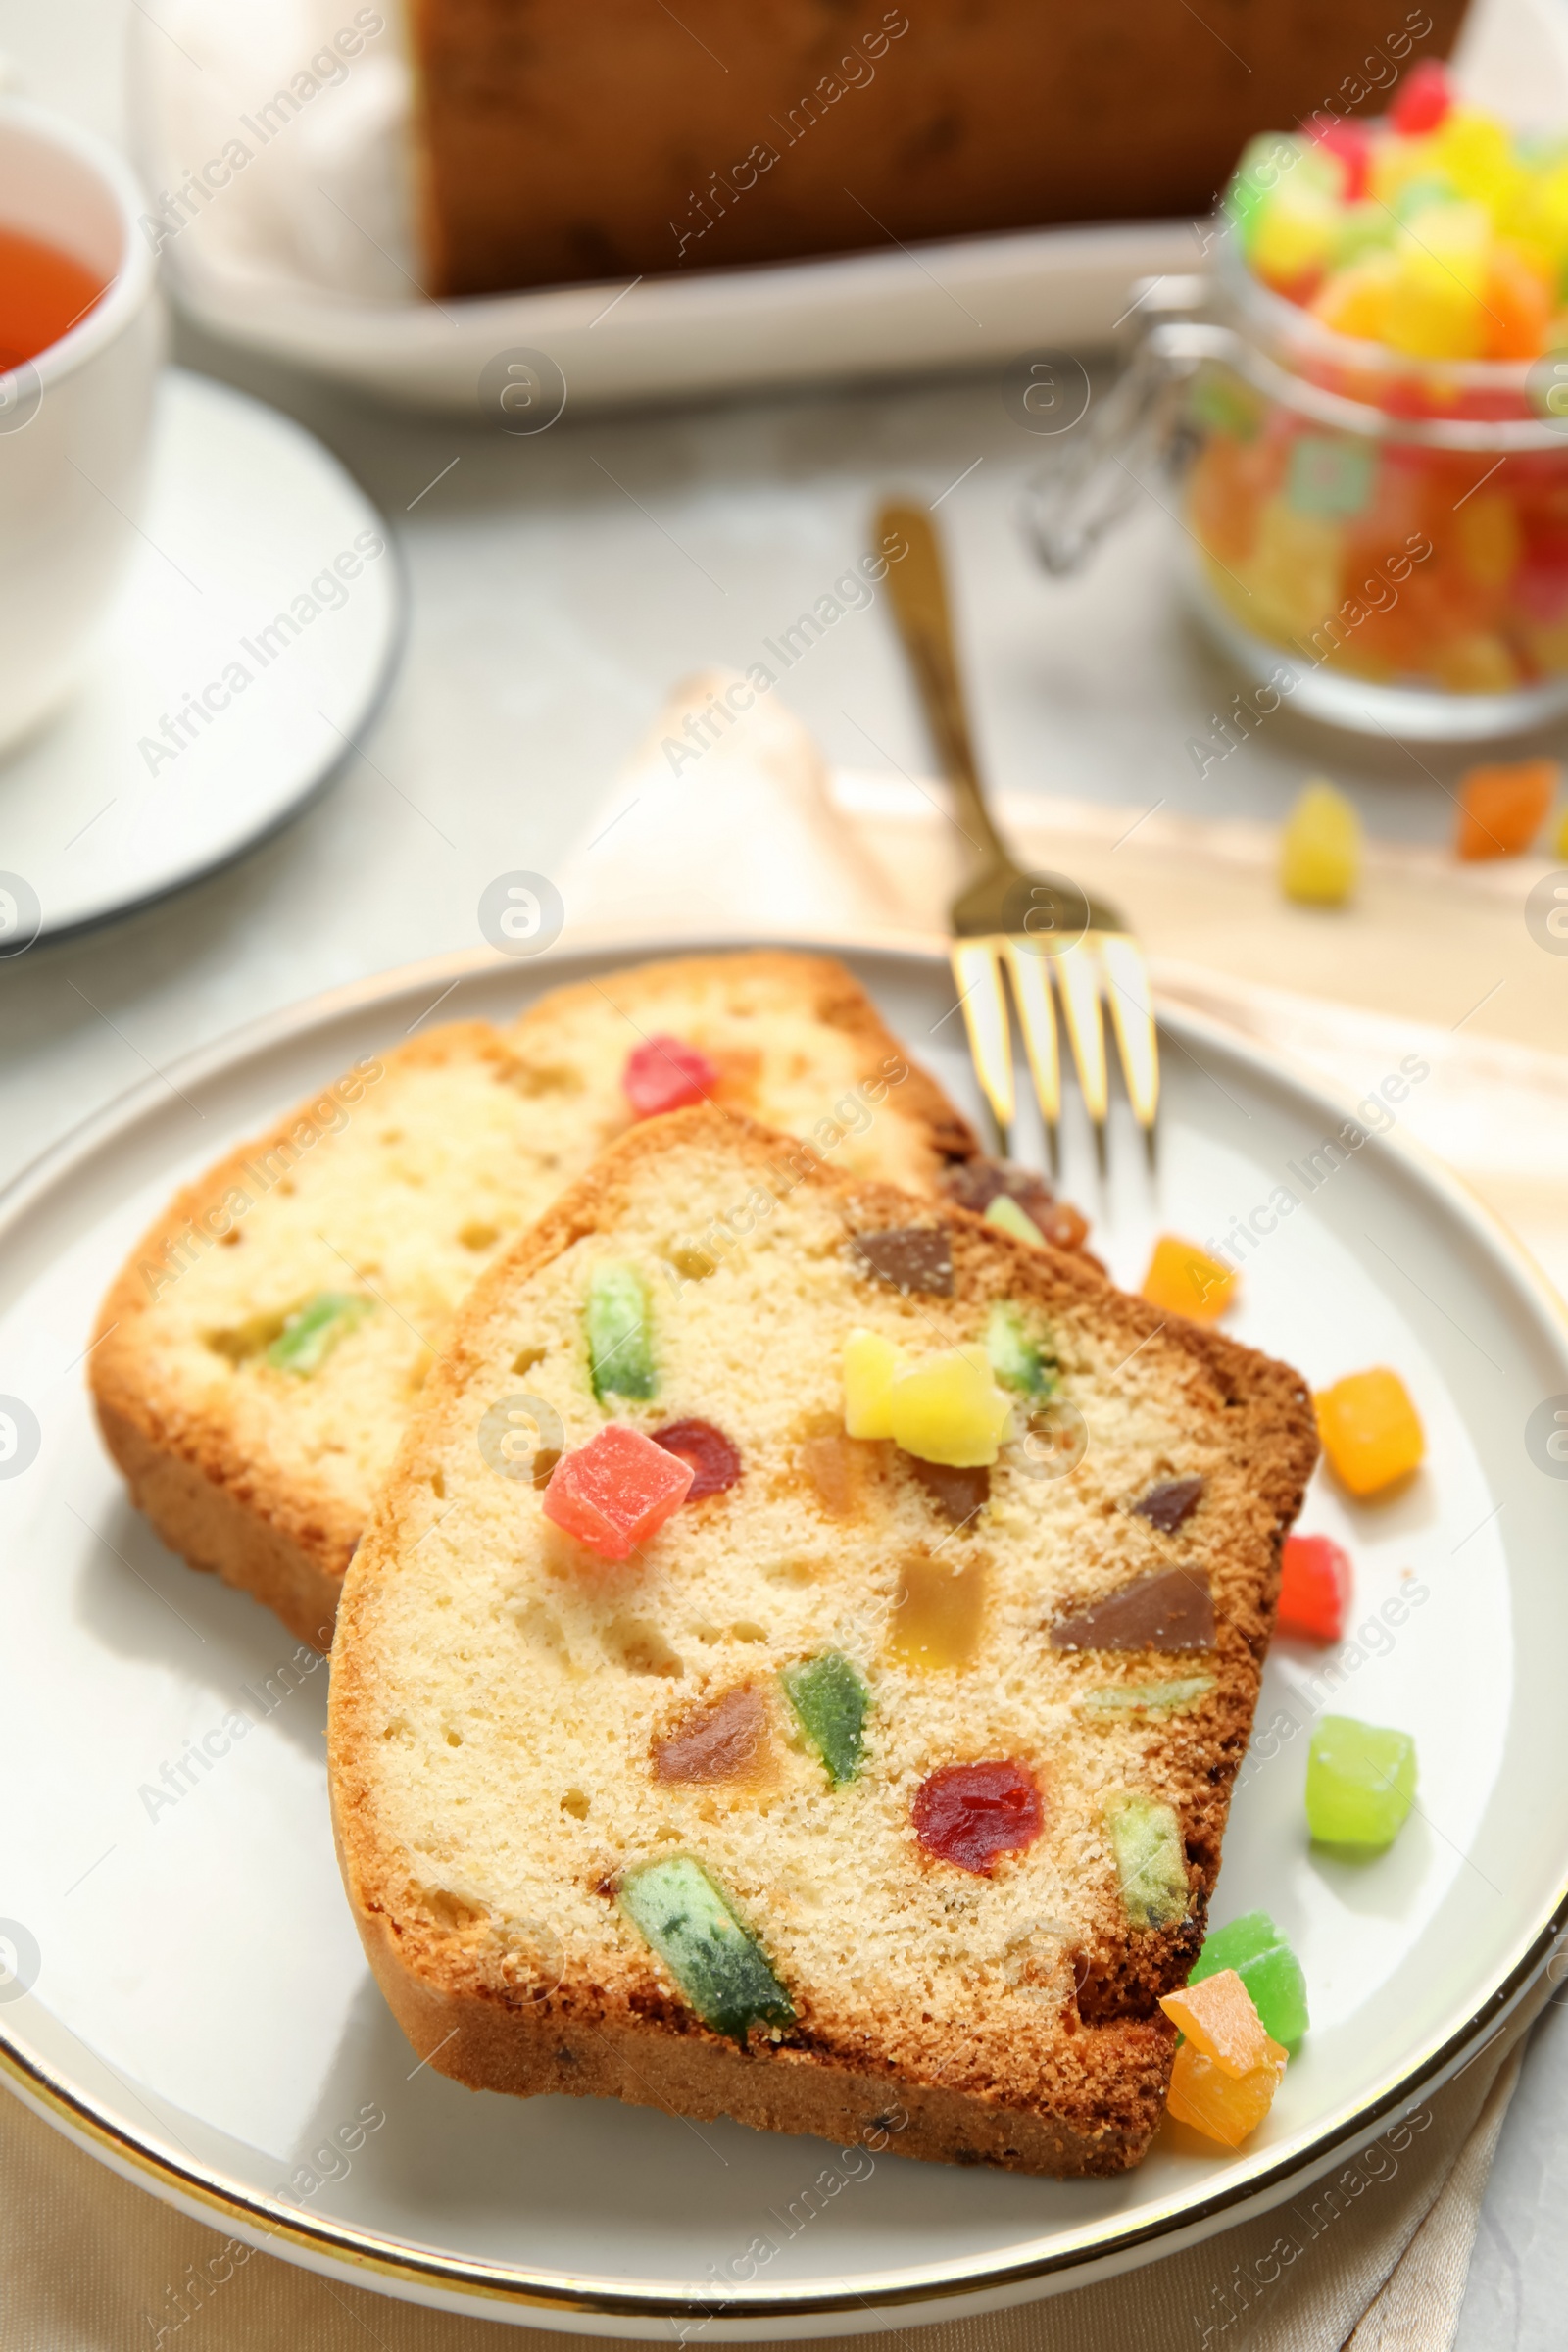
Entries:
{"x":1424,"y":100}
{"x":1349,"y":144}
{"x":1314,"y":1589}
{"x":664,"y":1074}
{"x":969,"y":1813}
{"x":617,"y":1491}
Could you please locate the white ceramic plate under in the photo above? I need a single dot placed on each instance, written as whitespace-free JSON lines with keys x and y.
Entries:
{"x":246,"y":519}
{"x":187,"y":1998}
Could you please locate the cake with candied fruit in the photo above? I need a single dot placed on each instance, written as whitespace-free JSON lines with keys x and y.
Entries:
{"x":805,"y":1684}
{"x":261,"y":1347}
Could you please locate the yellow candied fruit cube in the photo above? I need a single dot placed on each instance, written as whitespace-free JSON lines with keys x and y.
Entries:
{"x":1291,"y":582}
{"x":1355,"y":301}
{"x":871,"y":1364}
{"x":1490,"y":541}
{"x":1559,"y":847}
{"x":1476,"y":663}
{"x":1225,"y":2107}
{"x":1476,"y":152}
{"x":1370,"y":1430}
{"x":1320,"y":851}
{"x":1186,"y":1281}
{"x":1219,"y":2020}
{"x":1395,"y":165}
{"x":1295,"y":231}
{"x":947,"y":1408}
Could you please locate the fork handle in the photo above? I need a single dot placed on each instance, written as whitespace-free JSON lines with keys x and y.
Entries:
{"x":917,"y":585}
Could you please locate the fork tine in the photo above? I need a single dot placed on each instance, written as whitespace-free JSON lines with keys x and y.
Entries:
{"x":1037,"y":1018}
{"x":1131,"y":1014}
{"x":977,"y":970}
{"x":1077,"y":976}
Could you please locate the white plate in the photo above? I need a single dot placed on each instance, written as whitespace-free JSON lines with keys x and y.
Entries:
{"x":244,"y":512}
{"x":200,"y":2014}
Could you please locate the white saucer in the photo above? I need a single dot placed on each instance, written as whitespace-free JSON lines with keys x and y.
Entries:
{"x":102,"y":811}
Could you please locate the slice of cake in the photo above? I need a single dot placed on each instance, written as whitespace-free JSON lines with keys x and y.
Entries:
{"x":806,"y":1686}
{"x":260,"y":1350}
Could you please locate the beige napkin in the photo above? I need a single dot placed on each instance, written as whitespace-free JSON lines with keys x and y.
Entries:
{"x":754,"y":837}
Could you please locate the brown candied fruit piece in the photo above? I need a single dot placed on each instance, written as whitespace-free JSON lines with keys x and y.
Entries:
{"x":837,"y":1468}
{"x":1173,"y":1610}
{"x":938,"y":1613}
{"x":1171,"y":1503}
{"x":958,"y":1494}
{"x":724,"y":1741}
{"x":968,"y":1813}
{"x":975,"y":1183}
{"x":714,"y":1462}
{"x":911,"y":1257}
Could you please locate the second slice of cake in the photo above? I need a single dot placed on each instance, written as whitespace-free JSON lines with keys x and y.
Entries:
{"x":691,"y":1747}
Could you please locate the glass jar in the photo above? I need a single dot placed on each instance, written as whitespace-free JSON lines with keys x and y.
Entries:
{"x":1382,"y":539}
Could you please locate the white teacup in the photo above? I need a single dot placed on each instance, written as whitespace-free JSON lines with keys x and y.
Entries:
{"x":73,"y":420}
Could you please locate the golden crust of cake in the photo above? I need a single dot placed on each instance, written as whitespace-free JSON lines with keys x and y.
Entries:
{"x":501,"y":1698}
{"x":395,"y":1187}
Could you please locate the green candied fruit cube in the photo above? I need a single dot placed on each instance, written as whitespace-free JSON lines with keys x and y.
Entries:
{"x":1146,"y":1839}
{"x":716,"y":1961}
{"x":314,"y":1329}
{"x":1268,"y":1968}
{"x":831,"y":1703}
{"x":619,"y":1357}
{"x":1018,"y":1361}
{"x":1360,"y":1783}
{"x":1007,"y":1217}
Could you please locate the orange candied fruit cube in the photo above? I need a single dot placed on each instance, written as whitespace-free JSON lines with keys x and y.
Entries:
{"x":1370,"y":1430}
{"x":1502,"y":809}
{"x":1219,"y":2020}
{"x":1225,"y":2107}
{"x":1186,"y":1281}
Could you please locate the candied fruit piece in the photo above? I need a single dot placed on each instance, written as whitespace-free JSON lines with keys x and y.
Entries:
{"x":1370,"y":1430}
{"x":723,"y":1740}
{"x":1321,"y":849}
{"x":831,"y":1702}
{"x":836,"y":1467}
{"x":1361,"y":1781}
{"x":1217,"y":2017}
{"x":615,"y":1320}
{"x":871,"y":1364}
{"x":1173,"y":1697}
{"x":958,"y":1494}
{"x":615,"y":1491}
{"x":1424,"y":98}
{"x":1170,"y":1503}
{"x":1502,"y":808}
{"x":947,"y":1408}
{"x":1173,"y":1609}
{"x":664,"y":1074}
{"x":1186,"y":1281}
{"x":1018,"y":1360}
{"x":1223,"y":2107}
{"x":714,"y":1957}
{"x":1005,"y":1214}
{"x":1255,"y":1948}
{"x":1151,"y":1856}
{"x":938,"y":1613}
{"x":716,"y":1464}
{"x":311,"y":1332}
{"x":908,"y":1258}
{"x":1314,"y":1589}
{"x":968,"y":1814}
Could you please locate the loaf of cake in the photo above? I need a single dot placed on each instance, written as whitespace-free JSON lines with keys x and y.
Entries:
{"x":258,"y":1355}
{"x":556,"y":143}
{"x":825,"y":1711}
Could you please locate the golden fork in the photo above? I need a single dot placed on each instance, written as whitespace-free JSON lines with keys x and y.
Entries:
{"x":1038,"y":928}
